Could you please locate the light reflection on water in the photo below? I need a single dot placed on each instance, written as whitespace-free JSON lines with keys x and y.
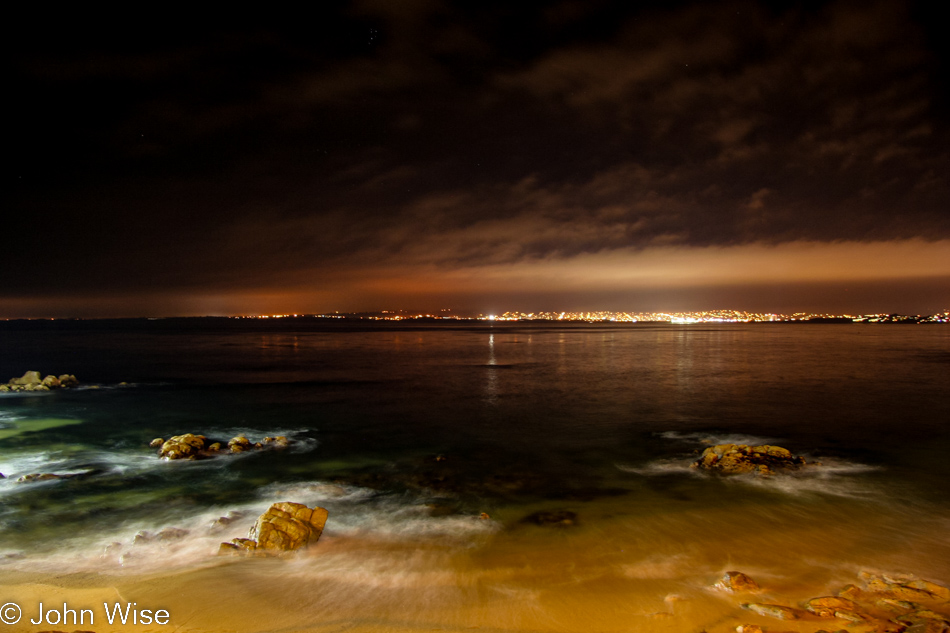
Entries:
{"x":601,"y":421}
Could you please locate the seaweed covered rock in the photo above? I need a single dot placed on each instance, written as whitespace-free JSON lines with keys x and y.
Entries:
{"x":285,"y":527}
{"x":735,"y":459}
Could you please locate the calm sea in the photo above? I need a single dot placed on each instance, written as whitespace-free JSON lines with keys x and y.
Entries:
{"x":407,"y":433}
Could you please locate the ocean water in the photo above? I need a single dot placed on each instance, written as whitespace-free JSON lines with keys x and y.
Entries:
{"x":407,"y":433}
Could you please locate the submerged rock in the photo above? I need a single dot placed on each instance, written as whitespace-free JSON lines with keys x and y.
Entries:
{"x":556,"y":518}
{"x":737,"y":582}
{"x":285,"y":527}
{"x":41,"y":477}
{"x":734,"y":459}
{"x":774,"y":611}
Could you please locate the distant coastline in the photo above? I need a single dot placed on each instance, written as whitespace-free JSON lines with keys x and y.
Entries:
{"x":599,"y":317}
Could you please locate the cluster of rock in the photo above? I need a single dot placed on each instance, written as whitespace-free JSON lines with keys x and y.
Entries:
{"x":885,"y":604}
{"x":33,"y":381}
{"x":735,"y":459}
{"x":191,"y":446}
{"x":285,"y":527}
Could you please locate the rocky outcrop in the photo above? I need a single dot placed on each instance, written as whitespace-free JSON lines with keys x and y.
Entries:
{"x":885,"y":604}
{"x":735,"y":459}
{"x":191,"y":446}
{"x":33,"y":381}
{"x":285,"y":527}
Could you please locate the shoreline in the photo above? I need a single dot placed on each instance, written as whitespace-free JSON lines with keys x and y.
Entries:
{"x":648,"y":574}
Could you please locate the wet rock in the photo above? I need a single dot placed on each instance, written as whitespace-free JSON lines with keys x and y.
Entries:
{"x":828,"y":606}
{"x":33,"y":381}
{"x":68,"y":380}
{"x":735,"y":459}
{"x":278,"y":441}
{"x":903,"y":589}
{"x":171,"y":534}
{"x":112,"y":549}
{"x":737,"y":582}
{"x":215,"y":447}
{"x":556,"y":518}
{"x":749,"y":628}
{"x":187,"y":446}
{"x":156,"y":443}
{"x":285,"y":527}
{"x":222,"y":522}
{"x":774,"y":611}
{"x":28,"y":378}
{"x":40,"y":477}
{"x":239,"y":444}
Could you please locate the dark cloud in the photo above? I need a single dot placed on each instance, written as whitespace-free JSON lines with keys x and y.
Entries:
{"x":203,"y":158}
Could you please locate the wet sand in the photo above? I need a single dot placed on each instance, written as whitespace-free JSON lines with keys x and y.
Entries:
{"x":613,"y":571}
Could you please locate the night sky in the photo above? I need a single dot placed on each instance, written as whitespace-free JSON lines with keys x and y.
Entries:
{"x":478,"y":156}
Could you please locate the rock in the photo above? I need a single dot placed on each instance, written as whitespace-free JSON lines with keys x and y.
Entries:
{"x":749,"y":628}
{"x":288,"y":526}
{"x":931,"y":587}
{"x":222,"y":522}
{"x":774,"y":611}
{"x":51,"y":382}
{"x":187,"y":446}
{"x":40,"y":477}
{"x":899,"y":591}
{"x":278,"y":441}
{"x":557,"y":518}
{"x":68,"y":380}
{"x":156,"y":443}
{"x":214,"y":448}
{"x":734,"y":459}
{"x":925,"y":621}
{"x":900,"y":606}
{"x":285,"y":527}
{"x":171,"y":534}
{"x":142,"y":537}
{"x":828,"y":606}
{"x":239,"y":444}
{"x":4,"y":388}
{"x":28,"y":378}
{"x":737,"y":582}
